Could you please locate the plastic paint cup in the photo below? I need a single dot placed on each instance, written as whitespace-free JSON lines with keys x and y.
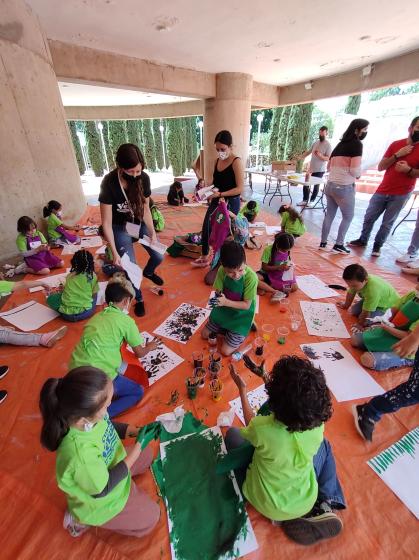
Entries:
{"x":282,"y":332}
{"x":214,"y":369}
{"x":212,"y":341}
{"x":284,"y":305}
{"x":216,"y":388}
{"x":192,"y":387}
{"x":215,"y":357}
{"x":199,"y":374}
{"x":267,"y":331}
{"x":296,"y":320}
{"x":197,"y":359}
{"x":259,"y":346}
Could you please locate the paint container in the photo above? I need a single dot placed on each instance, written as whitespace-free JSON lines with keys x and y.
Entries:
{"x":259,"y":346}
{"x":296,"y":320}
{"x":157,"y":291}
{"x":197,"y":359}
{"x":216,"y":388}
{"x":214,"y":369}
{"x":282,"y":332}
{"x":215,"y":357}
{"x":199,"y":374}
{"x":212,"y":341}
{"x":284,"y":305}
{"x":192,"y":387}
{"x":267,"y":331}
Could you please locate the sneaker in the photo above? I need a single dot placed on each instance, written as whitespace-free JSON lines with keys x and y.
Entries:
{"x":321,"y":523}
{"x":49,"y":339}
{"x":139,"y":309}
{"x":407,"y":258}
{"x":3,"y":371}
{"x":155,"y":278}
{"x":323,"y":246}
{"x":70,"y":524}
{"x":3,"y":395}
{"x":302,"y":203}
{"x":341,"y":249}
{"x":357,"y":243}
{"x":363,"y":423}
{"x":413,"y":264}
{"x":376,"y":251}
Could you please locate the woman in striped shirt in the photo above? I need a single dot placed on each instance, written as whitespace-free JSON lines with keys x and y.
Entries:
{"x":344,"y":168}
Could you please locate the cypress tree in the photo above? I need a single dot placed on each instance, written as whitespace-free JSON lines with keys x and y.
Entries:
{"x":165,"y":135}
{"x":158,"y":143}
{"x":193,"y":144}
{"x":353,"y":104}
{"x":183,"y":129}
{"x":149,"y":150}
{"x":132,"y":132}
{"x":282,"y":132}
{"x":174,"y":145}
{"x":273,"y":138}
{"x":76,"y":145}
{"x":109,"y":153}
{"x":297,"y":133}
{"x":140,"y":135}
{"x":117,"y":134}
{"x":94,"y":149}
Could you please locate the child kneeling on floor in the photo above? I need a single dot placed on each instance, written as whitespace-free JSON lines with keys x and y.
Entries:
{"x":235,"y":308}
{"x":93,"y":468}
{"x":100,"y":346}
{"x":377,"y":295}
{"x":277,"y":273}
{"x":289,"y":472}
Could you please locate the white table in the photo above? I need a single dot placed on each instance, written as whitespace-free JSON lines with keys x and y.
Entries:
{"x":312,"y":181}
{"x":415,"y":195}
{"x":255,"y":171}
{"x":280,"y":181}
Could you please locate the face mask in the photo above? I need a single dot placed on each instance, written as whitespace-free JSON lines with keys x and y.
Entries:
{"x":223,"y":155}
{"x":88,"y":426}
{"x":59,"y":214}
{"x":126,"y":310}
{"x":415,"y":136}
{"x":321,"y":137}
{"x":362,"y":136}
{"x":129,"y":178}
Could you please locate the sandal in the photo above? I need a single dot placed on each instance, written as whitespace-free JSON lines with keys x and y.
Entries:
{"x":278,"y":296}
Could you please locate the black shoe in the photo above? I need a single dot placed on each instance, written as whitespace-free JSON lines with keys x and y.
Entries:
{"x":3,"y":371}
{"x":363,"y":424}
{"x":254,"y":327}
{"x":154,"y":278}
{"x":376,"y":251}
{"x":321,"y":523}
{"x":323,"y":246}
{"x":341,"y":249}
{"x":139,"y":309}
{"x":357,"y":243}
{"x":3,"y":395}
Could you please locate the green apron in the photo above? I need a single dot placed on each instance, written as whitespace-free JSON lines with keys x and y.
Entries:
{"x":379,"y":340}
{"x":237,"y":321}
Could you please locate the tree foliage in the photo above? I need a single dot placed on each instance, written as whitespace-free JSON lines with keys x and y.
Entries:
{"x":319,"y":118}
{"x":297,"y":132}
{"x":117,"y":131}
{"x":353,"y":105}
{"x":174,"y":145}
{"x":76,"y":145}
{"x":273,"y":138}
{"x":94,"y":149}
{"x":282,"y":131}
{"x":149,"y":150}
{"x":158,"y":143}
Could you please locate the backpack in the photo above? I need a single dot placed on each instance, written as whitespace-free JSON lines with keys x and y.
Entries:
{"x":158,"y":218}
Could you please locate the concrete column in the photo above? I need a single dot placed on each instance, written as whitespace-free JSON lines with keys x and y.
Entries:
{"x":37,"y":162}
{"x":229,"y":110}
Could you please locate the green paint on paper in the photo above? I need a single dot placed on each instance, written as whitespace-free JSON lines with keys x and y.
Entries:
{"x":206,"y":513}
{"x":408,"y":444}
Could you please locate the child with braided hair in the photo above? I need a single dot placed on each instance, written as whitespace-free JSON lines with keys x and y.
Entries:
{"x":77,"y":301}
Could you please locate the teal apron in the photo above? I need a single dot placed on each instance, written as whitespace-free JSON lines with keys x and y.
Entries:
{"x":237,"y":321}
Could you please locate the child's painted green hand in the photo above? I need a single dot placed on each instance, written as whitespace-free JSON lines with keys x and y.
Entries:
{"x":147,"y":433}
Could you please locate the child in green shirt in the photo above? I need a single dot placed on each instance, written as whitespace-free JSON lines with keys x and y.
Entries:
{"x":250,"y":210}
{"x":377,"y":295}
{"x":234,"y":311}
{"x":92,"y":466}
{"x":157,"y":216}
{"x":58,"y":233}
{"x":77,"y":301}
{"x":100,"y":346}
{"x":291,"y":221}
{"x":289,"y":474}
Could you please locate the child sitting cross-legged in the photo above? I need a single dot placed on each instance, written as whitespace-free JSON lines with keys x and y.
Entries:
{"x":34,"y":248}
{"x":235,"y":307}
{"x":277,"y":273}
{"x":100,"y":346}
{"x":284,"y":464}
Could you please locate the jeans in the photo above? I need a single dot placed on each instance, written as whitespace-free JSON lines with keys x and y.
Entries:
{"x":126,"y":393}
{"x":414,"y":243}
{"x":405,"y":394}
{"x":343,"y":197}
{"x":383,"y":360}
{"x":16,"y":338}
{"x":391,"y":205}
{"x":124,"y":244}
{"x":356,"y":309}
{"x":233,"y":204}
{"x":83,"y":315}
{"x":306,"y":188}
{"x":330,"y":489}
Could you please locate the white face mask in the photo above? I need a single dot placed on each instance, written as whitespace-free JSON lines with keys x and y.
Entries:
{"x":222,"y":155}
{"x":59,"y":214}
{"x":88,"y":426}
{"x":126,"y":310}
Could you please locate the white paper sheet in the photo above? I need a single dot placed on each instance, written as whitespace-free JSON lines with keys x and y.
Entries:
{"x":101,"y":293}
{"x":157,"y":246}
{"x":159,"y":362}
{"x":257,"y":232}
{"x":194,"y":204}
{"x":345,"y":377}
{"x":101,"y":250}
{"x":314,"y":288}
{"x":29,"y":316}
{"x":205,"y":192}
{"x":85,"y":243}
{"x":55,"y":280}
{"x":256,"y":399}
{"x":272,"y":230}
{"x":257,"y":225}
{"x":134,"y":272}
{"x":183,"y":322}
{"x":90,"y":230}
{"x":398,"y":467}
{"x":246,"y":541}
{"x":323,"y":319}
{"x":35,"y":289}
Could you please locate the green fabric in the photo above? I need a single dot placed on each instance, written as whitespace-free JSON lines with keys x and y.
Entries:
{"x":267,"y":253}
{"x":6,"y":287}
{"x":100,"y":344}
{"x":54,"y":300}
{"x":236,"y":320}
{"x":78,"y":293}
{"x":21,"y":240}
{"x":82,"y":469}
{"x":377,"y":294}
{"x":53,"y":222}
{"x":158,"y":218}
{"x":295,"y":228}
{"x":147,"y":433}
{"x":175,"y":249}
{"x":281,"y":482}
{"x":253,"y":213}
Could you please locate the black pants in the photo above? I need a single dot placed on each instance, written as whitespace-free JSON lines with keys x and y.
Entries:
{"x":306,"y":188}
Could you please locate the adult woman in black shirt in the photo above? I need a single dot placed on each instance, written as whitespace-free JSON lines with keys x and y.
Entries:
{"x":229,"y":180}
{"x":125,"y":211}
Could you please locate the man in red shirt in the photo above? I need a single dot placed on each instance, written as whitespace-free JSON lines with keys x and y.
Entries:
{"x":401,"y":162}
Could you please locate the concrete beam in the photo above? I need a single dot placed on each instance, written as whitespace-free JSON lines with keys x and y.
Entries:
{"x":126,"y":112}
{"x":82,"y":64}
{"x":397,"y":70}
{"x":265,"y":96}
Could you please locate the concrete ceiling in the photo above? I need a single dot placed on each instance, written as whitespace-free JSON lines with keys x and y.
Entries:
{"x":84,"y":95}
{"x":277,"y":41}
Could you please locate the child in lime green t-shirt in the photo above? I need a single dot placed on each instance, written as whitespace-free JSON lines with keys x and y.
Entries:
{"x":287,"y":470}
{"x":58,"y":233}
{"x":291,"y":221}
{"x":93,"y":468}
